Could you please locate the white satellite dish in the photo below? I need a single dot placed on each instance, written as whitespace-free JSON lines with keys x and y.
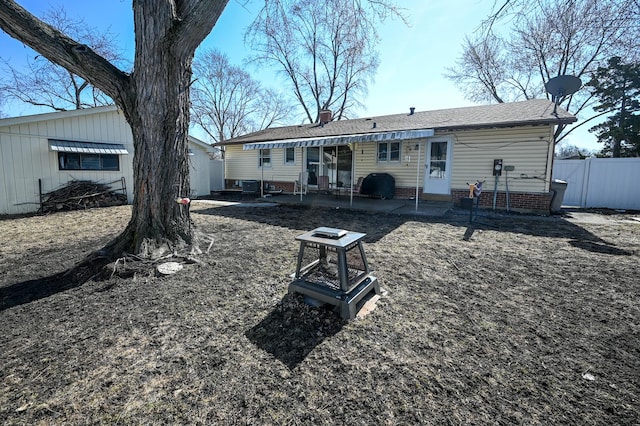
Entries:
{"x":561,"y":86}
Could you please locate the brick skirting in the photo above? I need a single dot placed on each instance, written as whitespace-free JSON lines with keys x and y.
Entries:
{"x":405,"y":193}
{"x":522,"y":202}
{"x":277,"y":186}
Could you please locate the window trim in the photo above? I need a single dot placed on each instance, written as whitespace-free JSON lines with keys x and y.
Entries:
{"x":387,"y":158}
{"x":292,"y":162}
{"x":100,"y":168}
{"x":261,"y":158}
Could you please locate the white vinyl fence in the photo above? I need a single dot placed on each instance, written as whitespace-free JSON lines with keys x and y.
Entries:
{"x":600,"y":182}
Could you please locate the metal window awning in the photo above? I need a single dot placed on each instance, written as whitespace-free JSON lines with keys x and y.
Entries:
{"x":341,"y":140}
{"x":87,"y":147}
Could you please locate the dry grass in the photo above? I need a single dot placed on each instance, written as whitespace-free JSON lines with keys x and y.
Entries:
{"x":531,"y":321}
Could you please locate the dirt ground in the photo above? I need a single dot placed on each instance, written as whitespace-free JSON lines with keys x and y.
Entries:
{"x":516,"y":320}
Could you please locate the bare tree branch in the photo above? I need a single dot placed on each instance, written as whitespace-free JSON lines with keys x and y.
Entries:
{"x":60,"y":49}
{"x":227,"y":102}
{"x":195,"y":20}
{"x":545,"y":38}
{"x":43,"y":83}
{"x":326,"y":49}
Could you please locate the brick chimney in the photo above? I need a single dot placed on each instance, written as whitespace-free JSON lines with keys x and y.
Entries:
{"x":325,"y":116}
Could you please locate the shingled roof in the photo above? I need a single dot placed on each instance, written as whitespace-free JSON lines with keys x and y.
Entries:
{"x":531,"y":112}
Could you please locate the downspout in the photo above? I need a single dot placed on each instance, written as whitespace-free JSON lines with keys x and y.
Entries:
{"x":353,"y":172}
{"x":418,"y":174}
{"x":261,"y":175}
{"x":40,"y":192}
{"x":550,"y":159}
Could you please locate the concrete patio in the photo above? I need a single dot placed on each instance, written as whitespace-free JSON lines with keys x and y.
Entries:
{"x":395,"y":206}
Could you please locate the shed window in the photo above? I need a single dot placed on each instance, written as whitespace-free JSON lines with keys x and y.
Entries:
{"x":264,"y":159}
{"x":77,"y":161}
{"x":289,"y":155}
{"x":388,"y":152}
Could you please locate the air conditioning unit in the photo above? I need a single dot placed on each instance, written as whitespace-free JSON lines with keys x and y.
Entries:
{"x":250,"y":187}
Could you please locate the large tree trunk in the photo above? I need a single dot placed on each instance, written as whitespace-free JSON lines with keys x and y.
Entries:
{"x":155,"y":102}
{"x":159,"y":120}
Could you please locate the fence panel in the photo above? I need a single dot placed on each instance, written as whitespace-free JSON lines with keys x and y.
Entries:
{"x":600,"y":182}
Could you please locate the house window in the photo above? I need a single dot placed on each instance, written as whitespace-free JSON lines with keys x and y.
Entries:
{"x":289,"y":155}
{"x":388,"y":152}
{"x":77,"y":161}
{"x":264,"y":159}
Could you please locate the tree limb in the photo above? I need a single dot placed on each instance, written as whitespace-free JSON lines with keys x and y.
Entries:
{"x":196,"y":20}
{"x":62,"y":50}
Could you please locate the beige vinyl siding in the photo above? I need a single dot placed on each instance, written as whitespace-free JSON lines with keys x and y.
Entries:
{"x":404,"y":172}
{"x":239,"y":164}
{"x":525,"y":148}
{"x":243,"y":165}
{"x":528,"y":149}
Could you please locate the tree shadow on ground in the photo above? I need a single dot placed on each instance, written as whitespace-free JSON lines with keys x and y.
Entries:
{"x":40,"y":288}
{"x":600,"y":247}
{"x":293,"y":329}
{"x":578,"y":237}
{"x":376,"y":224}
{"x":304,"y":218}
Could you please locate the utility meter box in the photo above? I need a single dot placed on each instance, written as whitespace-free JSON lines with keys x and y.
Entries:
{"x":497,"y":167}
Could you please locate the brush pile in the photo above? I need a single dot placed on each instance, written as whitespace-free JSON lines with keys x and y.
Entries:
{"x":80,"y":195}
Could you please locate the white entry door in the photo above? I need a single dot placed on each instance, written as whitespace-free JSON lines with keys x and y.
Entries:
{"x":437,"y":179}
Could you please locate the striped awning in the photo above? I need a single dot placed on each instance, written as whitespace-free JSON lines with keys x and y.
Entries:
{"x":87,"y":147}
{"x":341,"y":140}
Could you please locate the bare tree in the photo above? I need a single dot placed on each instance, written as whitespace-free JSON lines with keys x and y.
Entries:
{"x":43,"y":83}
{"x":565,"y":150}
{"x":228,"y":102}
{"x":547,"y":38}
{"x":481,"y":63}
{"x":326,"y":49}
{"x":154,"y":99}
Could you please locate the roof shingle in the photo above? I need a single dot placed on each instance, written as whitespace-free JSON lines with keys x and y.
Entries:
{"x":531,"y":112}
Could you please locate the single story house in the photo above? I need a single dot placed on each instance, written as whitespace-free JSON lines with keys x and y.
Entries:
{"x":431,"y":154}
{"x":41,"y":153}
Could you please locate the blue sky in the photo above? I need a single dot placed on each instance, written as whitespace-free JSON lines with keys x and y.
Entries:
{"x":413,"y":58}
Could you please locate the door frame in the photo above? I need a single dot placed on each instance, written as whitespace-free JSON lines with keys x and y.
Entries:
{"x":440,"y":186}
{"x":333,"y":173}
